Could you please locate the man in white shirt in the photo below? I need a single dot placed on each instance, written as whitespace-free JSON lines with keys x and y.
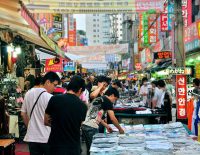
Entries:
{"x":32,"y":112}
{"x":144,"y":91}
{"x":157,"y":95}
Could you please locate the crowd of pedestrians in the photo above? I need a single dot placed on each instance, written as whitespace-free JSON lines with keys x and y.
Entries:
{"x":55,"y":110}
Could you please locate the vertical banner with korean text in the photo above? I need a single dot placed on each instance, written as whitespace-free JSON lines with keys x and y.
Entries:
{"x":145,"y":29}
{"x":181,"y":96}
{"x":164,"y":19}
{"x":153,"y":31}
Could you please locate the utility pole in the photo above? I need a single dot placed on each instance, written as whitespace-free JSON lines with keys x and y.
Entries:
{"x":178,"y":27}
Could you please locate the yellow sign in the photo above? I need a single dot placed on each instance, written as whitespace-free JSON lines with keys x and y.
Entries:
{"x":197,"y":69}
{"x":51,"y":44}
{"x":198,"y":28}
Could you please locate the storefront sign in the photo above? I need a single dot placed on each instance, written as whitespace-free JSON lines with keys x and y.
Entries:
{"x":163,"y":55}
{"x":181,"y":96}
{"x":70,"y":66}
{"x":179,"y":70}
{"x":145,"y":29}
{"x":170,"y":14}
{"x":145,"y":5}
{"x":198,"y":28}
{"x":187,"y":12}
{"x":30,"y":20}
{"x":197,"y":70}
{"x":52,"y":65}
{"x":51,"y":44}
{"x":191,"y":38}
{"x":164,"y":19}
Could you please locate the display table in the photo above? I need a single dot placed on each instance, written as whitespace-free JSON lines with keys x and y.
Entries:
{"x":155,"y":139}
{"x":7,"y":146}
{"x":128,"y":115}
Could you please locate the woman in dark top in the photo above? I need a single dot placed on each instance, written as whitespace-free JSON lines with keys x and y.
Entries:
{"x":3,"y":118}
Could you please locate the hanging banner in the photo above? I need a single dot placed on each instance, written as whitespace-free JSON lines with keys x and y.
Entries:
{"x":187,"y":12}
{"x":145,"y":29}
{"x":153,"y":33}
{"x":181,"y":96}
{"x":145,"y":5}
{"x":170,"y":14}
{"x":54,"y":65}
{"x":164,"y":19}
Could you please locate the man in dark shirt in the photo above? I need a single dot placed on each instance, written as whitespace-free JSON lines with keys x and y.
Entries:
{"x":64,"y":114}
{"x":99,"y":108}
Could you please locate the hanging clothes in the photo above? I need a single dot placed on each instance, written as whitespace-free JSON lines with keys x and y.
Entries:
{"x":190,"y":109}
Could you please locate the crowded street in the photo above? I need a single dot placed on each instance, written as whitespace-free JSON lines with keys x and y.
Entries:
{"x":99,"y":77}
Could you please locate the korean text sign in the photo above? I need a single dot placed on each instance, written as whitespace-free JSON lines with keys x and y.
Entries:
{"x":181,"y":96}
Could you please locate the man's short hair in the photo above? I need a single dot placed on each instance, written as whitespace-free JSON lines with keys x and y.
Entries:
{"x":112,"y":91}
{"x":196,"y":82}
{"x":51,"y":76}
{"x":155,"y":82}
{"x":161,"y":83}
{"x":76,"y":83}
{"x":117,"y":82}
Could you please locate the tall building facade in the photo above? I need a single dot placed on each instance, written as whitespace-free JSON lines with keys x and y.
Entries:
{"x":97,"y":29}
{"x":103,"y":28}
{"x":116,"y":28}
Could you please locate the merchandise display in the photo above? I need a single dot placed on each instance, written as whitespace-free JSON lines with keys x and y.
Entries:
{"x":159,"y":139}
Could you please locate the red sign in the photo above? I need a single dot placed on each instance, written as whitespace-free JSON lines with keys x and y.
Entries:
{"x":30,"y":20}
{"x":181,"y":96}
{"x":54,"y":65}
{"x":187,"y":12}
{"x":164,"y":19}
{"x":163,"y":55}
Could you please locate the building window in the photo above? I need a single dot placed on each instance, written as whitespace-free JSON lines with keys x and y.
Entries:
{"x":94,"y":14}
{"x":94,"y":20}
{"x":98,"y":30}
{"x":94,"y":30}
{"x":94,"y":36}
{"x":94,"y":25}
{"x":94,"y":41}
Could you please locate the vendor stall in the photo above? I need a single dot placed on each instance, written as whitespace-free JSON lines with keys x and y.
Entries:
{"x":167,"y":139}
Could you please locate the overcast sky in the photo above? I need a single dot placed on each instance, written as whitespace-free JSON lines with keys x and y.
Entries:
{"x":80,"y":21}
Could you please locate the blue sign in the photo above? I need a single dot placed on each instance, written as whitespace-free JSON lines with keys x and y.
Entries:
{"x":170,"y":14}
{"x":192,"y":45}
{"x":70,"y":66}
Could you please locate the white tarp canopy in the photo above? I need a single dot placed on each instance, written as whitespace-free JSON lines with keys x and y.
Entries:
{"x":94,"y":57}
{"x":99,"y":49}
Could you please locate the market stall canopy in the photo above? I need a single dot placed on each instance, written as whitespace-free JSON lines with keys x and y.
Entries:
{"x":11,"y":19}
{"x":14,"y":17}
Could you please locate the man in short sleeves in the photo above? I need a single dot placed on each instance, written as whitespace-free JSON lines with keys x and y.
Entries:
{"x":65,"y":114}
{"x":99,"y":108}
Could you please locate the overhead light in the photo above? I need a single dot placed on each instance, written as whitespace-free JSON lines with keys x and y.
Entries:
{"x":18,"y":50}
{"x":10,"y":48}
